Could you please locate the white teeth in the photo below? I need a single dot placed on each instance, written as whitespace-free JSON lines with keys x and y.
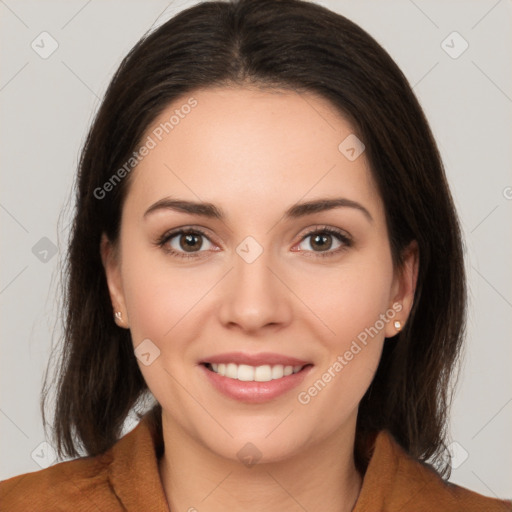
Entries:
{"x":245,"y":372}
{"x":277,"y":371}
{"x":231,"y":371}
{"x":263,"y":373}
{"x":248,"y":373}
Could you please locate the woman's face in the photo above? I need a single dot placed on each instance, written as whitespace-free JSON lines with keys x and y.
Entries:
{"x":260,"y":283}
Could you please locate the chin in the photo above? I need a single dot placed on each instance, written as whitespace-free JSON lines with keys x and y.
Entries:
{"x":257,"y":449}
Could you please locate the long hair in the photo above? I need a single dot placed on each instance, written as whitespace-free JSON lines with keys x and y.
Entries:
{"x":298,"y":46}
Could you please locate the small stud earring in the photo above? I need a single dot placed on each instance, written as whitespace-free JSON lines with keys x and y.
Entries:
{"x":398,"y":326}
{"x":118,"y":315}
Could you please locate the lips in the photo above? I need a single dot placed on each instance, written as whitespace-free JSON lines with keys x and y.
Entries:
{"x":254,"y":378}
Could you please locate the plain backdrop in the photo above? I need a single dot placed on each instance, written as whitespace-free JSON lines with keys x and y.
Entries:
{"x":47,"y":105}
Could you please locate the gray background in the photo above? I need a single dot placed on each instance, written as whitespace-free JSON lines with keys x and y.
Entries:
{"x":47,"y":106}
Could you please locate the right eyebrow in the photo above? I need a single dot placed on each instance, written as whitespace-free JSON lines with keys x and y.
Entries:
{"x":180,"y":205}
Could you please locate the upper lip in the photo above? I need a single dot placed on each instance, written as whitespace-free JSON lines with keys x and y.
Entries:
{"x":261,"y":359}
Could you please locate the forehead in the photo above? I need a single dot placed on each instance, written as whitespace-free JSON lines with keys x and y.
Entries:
{"x":249,"y":148}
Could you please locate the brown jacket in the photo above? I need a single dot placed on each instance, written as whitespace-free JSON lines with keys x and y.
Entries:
{"x":126,"y":478}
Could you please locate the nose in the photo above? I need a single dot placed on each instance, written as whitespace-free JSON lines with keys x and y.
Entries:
{"x":254,"y":296}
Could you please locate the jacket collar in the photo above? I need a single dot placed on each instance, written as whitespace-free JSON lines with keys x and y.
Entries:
{"x":134,"y":473}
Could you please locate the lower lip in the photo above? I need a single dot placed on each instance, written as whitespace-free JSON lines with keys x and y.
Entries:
{"x":255,"y":392}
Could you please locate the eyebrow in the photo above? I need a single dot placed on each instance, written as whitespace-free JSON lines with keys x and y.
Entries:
{"x":296,"y":211}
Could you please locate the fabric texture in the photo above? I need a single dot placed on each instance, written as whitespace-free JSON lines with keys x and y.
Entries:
{"x":126,"y":478}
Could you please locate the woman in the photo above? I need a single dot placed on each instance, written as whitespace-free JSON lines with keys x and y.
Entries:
{"x":264,"y":242}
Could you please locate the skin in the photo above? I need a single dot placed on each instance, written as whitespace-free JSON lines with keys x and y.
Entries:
{"x":254,"y":153}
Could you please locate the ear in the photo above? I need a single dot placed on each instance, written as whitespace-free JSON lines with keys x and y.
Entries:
{"x":111,"y":264}
{"x":404,"y":286}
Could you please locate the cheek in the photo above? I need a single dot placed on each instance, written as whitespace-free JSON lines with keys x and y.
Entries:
{"x":352,"y":308}
{"x":353,"y":305}
{"x":158,"y":294}
{"x":162,"y":301}
{"x":350,"y":298}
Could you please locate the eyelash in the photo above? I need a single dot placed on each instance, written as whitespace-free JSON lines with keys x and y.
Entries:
{"x":341,"y":236}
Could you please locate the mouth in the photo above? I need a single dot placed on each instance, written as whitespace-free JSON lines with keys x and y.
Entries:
{"x":254,"y":378}
{"x":248,"y":373}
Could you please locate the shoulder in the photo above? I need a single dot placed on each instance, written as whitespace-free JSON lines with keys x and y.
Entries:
{"x":399,"y":482}
{"x":125,"y":477}
{"x":80,"y":484}
{"x":445,"y":495}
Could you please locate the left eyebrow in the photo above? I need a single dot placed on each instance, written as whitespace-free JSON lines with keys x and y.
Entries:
{"x":296,"y":211}
{"x":320,"y":205}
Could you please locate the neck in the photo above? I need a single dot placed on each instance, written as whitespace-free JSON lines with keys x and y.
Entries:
{"x":320,"y":477}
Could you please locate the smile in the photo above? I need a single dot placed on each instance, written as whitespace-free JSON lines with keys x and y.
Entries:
{"x":254,"y":379}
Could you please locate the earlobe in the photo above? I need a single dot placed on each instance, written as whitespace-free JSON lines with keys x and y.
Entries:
{"x":110,"y":260}
{"x":404,"y":289}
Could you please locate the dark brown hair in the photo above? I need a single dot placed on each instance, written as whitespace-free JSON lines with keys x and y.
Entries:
{"x":291,"y":45}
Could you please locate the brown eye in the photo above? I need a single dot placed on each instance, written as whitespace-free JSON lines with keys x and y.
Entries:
{"x":322,"y":240}
{"x":190,"y":242}
{"x":185,"y":243}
